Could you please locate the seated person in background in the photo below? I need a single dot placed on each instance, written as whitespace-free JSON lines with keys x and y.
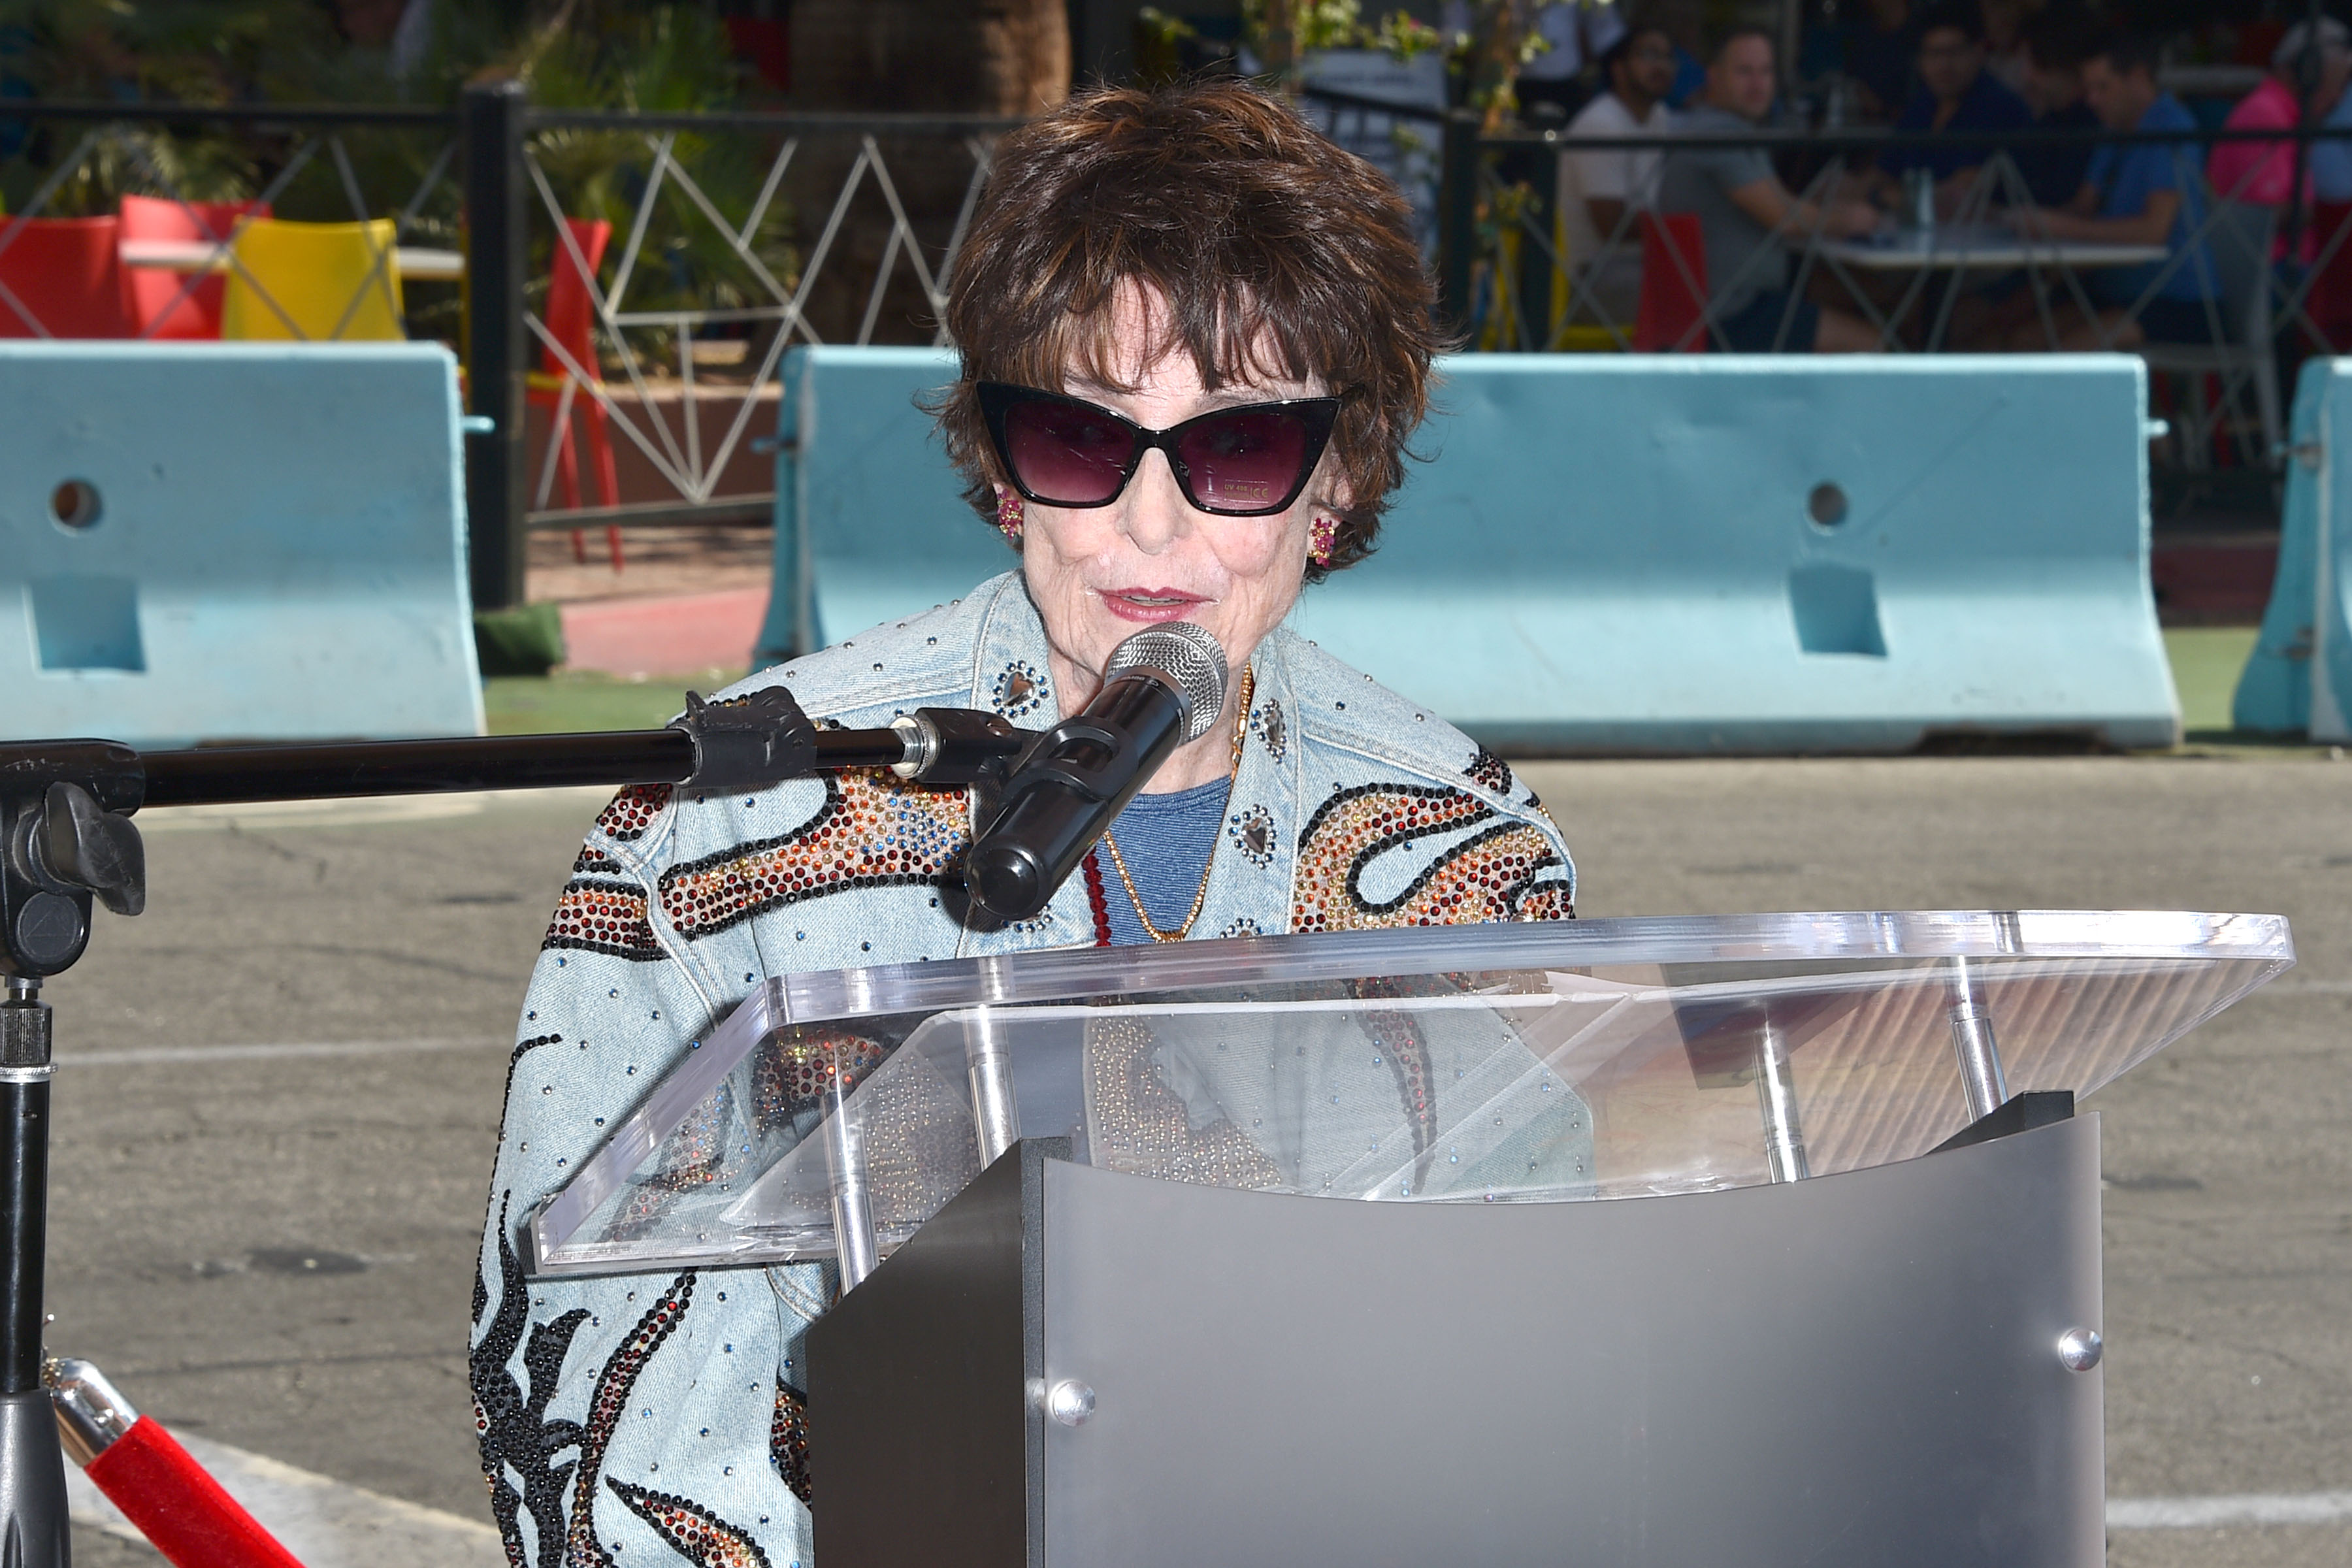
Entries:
{"x":1686,"y":24}
{"x":2330,"y":158}
{"x":1749,"y":217}
{"x":2262,"y":172}
{"x":1598,"y":187}
{"x":1956,"y":94}
{"x":2143,"y":194}
{"x":2328,"y":243}
{"x":2005,"y":56}
{"x":1881,"y":38}
{"x":2057,"y":42}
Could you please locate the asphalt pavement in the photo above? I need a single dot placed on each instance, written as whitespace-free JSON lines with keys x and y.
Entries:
{"x":280,"y":1088}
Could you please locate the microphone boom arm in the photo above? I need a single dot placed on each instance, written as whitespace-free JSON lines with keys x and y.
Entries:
{"x":66,"y":838}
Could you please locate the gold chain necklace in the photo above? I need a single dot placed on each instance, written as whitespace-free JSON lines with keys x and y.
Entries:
{"x":1241,"y":732}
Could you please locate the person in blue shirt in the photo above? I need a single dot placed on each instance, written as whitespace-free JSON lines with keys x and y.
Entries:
{"x":2329,"y":162}
{"x":2057,"y":40}
{"x":2139,"y":194}
{"x":1955,"y":94}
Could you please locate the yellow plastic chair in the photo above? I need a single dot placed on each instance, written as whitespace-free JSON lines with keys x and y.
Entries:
{"x":313,"y":282}
{"x":1572,"y":338}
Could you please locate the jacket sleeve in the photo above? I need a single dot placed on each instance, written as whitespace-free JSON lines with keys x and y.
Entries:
{"x":622,"y":1414}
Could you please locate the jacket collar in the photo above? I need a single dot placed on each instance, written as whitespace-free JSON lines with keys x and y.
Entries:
{"x":1250,"y":872}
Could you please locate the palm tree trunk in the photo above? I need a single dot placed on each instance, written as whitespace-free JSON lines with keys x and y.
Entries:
{"x":973,"y":57}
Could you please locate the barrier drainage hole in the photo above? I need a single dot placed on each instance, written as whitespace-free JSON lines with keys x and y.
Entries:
{"x":1826,"y":505}
{"x":74,"y":503}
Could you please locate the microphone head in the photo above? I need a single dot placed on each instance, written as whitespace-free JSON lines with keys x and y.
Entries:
{"x":1192,"y":660}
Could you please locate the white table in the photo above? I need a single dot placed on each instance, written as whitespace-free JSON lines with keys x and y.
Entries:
{"x":1979,"y":247}
{"x":1985,"y":248}
{"x":205,"y":255}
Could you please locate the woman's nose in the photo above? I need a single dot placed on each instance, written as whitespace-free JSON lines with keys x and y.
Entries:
{"x":1156,"y":511}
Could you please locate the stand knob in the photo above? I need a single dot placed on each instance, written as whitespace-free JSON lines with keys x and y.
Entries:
{"x":90,"y":847}
{"x":1070,"y":1402}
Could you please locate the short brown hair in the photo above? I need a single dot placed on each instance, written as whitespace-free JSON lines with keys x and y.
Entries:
{"x":1278,"y":256}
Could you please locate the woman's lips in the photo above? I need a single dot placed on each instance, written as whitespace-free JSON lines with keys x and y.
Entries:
{"x":1149,"y":604}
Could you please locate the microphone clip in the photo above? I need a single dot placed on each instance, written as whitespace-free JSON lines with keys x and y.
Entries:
{"x":1045,"y":761}
{"x":746,"y":743}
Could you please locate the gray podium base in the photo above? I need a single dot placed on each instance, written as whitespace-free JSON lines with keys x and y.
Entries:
{"x":1860,"y":1369}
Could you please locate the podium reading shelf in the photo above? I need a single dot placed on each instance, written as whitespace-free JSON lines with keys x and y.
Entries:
{"x":1092,"y":1314}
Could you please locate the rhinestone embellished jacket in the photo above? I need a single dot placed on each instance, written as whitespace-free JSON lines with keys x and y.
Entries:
{"x":653,"y":1418}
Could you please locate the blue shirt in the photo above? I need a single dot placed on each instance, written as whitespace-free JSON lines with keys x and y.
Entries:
{"x":2330,"y":163}
{"x":2125,"y":177}
{"x":1689,"y":77}
{"x":1987,"y":105}
{"x":2055,"y":171}
{"x":1166,"y":841}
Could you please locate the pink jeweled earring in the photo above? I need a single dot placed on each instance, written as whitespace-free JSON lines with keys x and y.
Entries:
{"x":1010,"y":514}
{"x":1322,"y":539}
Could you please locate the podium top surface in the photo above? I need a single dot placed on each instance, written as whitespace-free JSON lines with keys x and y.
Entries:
{"x":1552,"y":1061}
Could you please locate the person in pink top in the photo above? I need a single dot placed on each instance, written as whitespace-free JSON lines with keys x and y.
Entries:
{"x":2262,"y":172}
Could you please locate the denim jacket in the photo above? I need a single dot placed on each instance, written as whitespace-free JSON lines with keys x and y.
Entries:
{"x":641,"y":1418}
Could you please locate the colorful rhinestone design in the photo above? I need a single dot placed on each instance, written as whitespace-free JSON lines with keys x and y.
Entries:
{"x":788,"y":1440}
{"x":1020,"y":689}
{"x":604,"y":917}
{"x":795,"y":1072}
{"x":1251,"y":832}
{"x":1266,"y":724}
{"x":690,"y":1530}
{"x":872,"y":831}
{"x":1494,"y":875}
{"x":1489,"y":771}
{"x":632,"y":812}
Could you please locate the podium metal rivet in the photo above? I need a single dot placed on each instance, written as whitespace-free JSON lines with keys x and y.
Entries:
{"x":2080,"y":1349}
{"x":1070,"y":1402}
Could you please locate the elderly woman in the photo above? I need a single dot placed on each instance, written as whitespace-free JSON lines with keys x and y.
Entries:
{"x":1195,"y":338}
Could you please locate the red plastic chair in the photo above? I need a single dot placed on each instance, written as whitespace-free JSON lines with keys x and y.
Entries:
{"x":64,"y":275}
{"x":570,"y":317}
{"x":1674,"y":285}
{"x":158,"y":309}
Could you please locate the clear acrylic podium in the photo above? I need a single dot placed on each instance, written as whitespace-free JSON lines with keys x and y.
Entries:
{"x":1093,"y":1313}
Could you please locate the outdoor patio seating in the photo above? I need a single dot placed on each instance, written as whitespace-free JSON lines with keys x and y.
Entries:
{"x":557,"y":384}
{"x":2242,"y":355}
{"x":60,"y":278}
{"x":1674,"y":285}
{"x":313,"y":282}
{"x":162,"y":303}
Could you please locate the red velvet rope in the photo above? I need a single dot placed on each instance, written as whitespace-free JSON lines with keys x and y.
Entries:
{"x":178,"y":1506}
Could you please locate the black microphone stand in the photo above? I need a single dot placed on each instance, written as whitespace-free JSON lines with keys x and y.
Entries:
{"x":67,"y":840}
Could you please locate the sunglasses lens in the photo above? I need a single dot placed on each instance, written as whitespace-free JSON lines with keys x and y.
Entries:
{"x":1248,"y":460}
{"x":1073,"y":457}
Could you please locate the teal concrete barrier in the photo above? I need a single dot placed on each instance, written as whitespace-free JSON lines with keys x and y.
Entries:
{"x":1630,"y":554}
{"x":2297,"y":678}
{"x":870,"y":521}
{"x":233,"y":542}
